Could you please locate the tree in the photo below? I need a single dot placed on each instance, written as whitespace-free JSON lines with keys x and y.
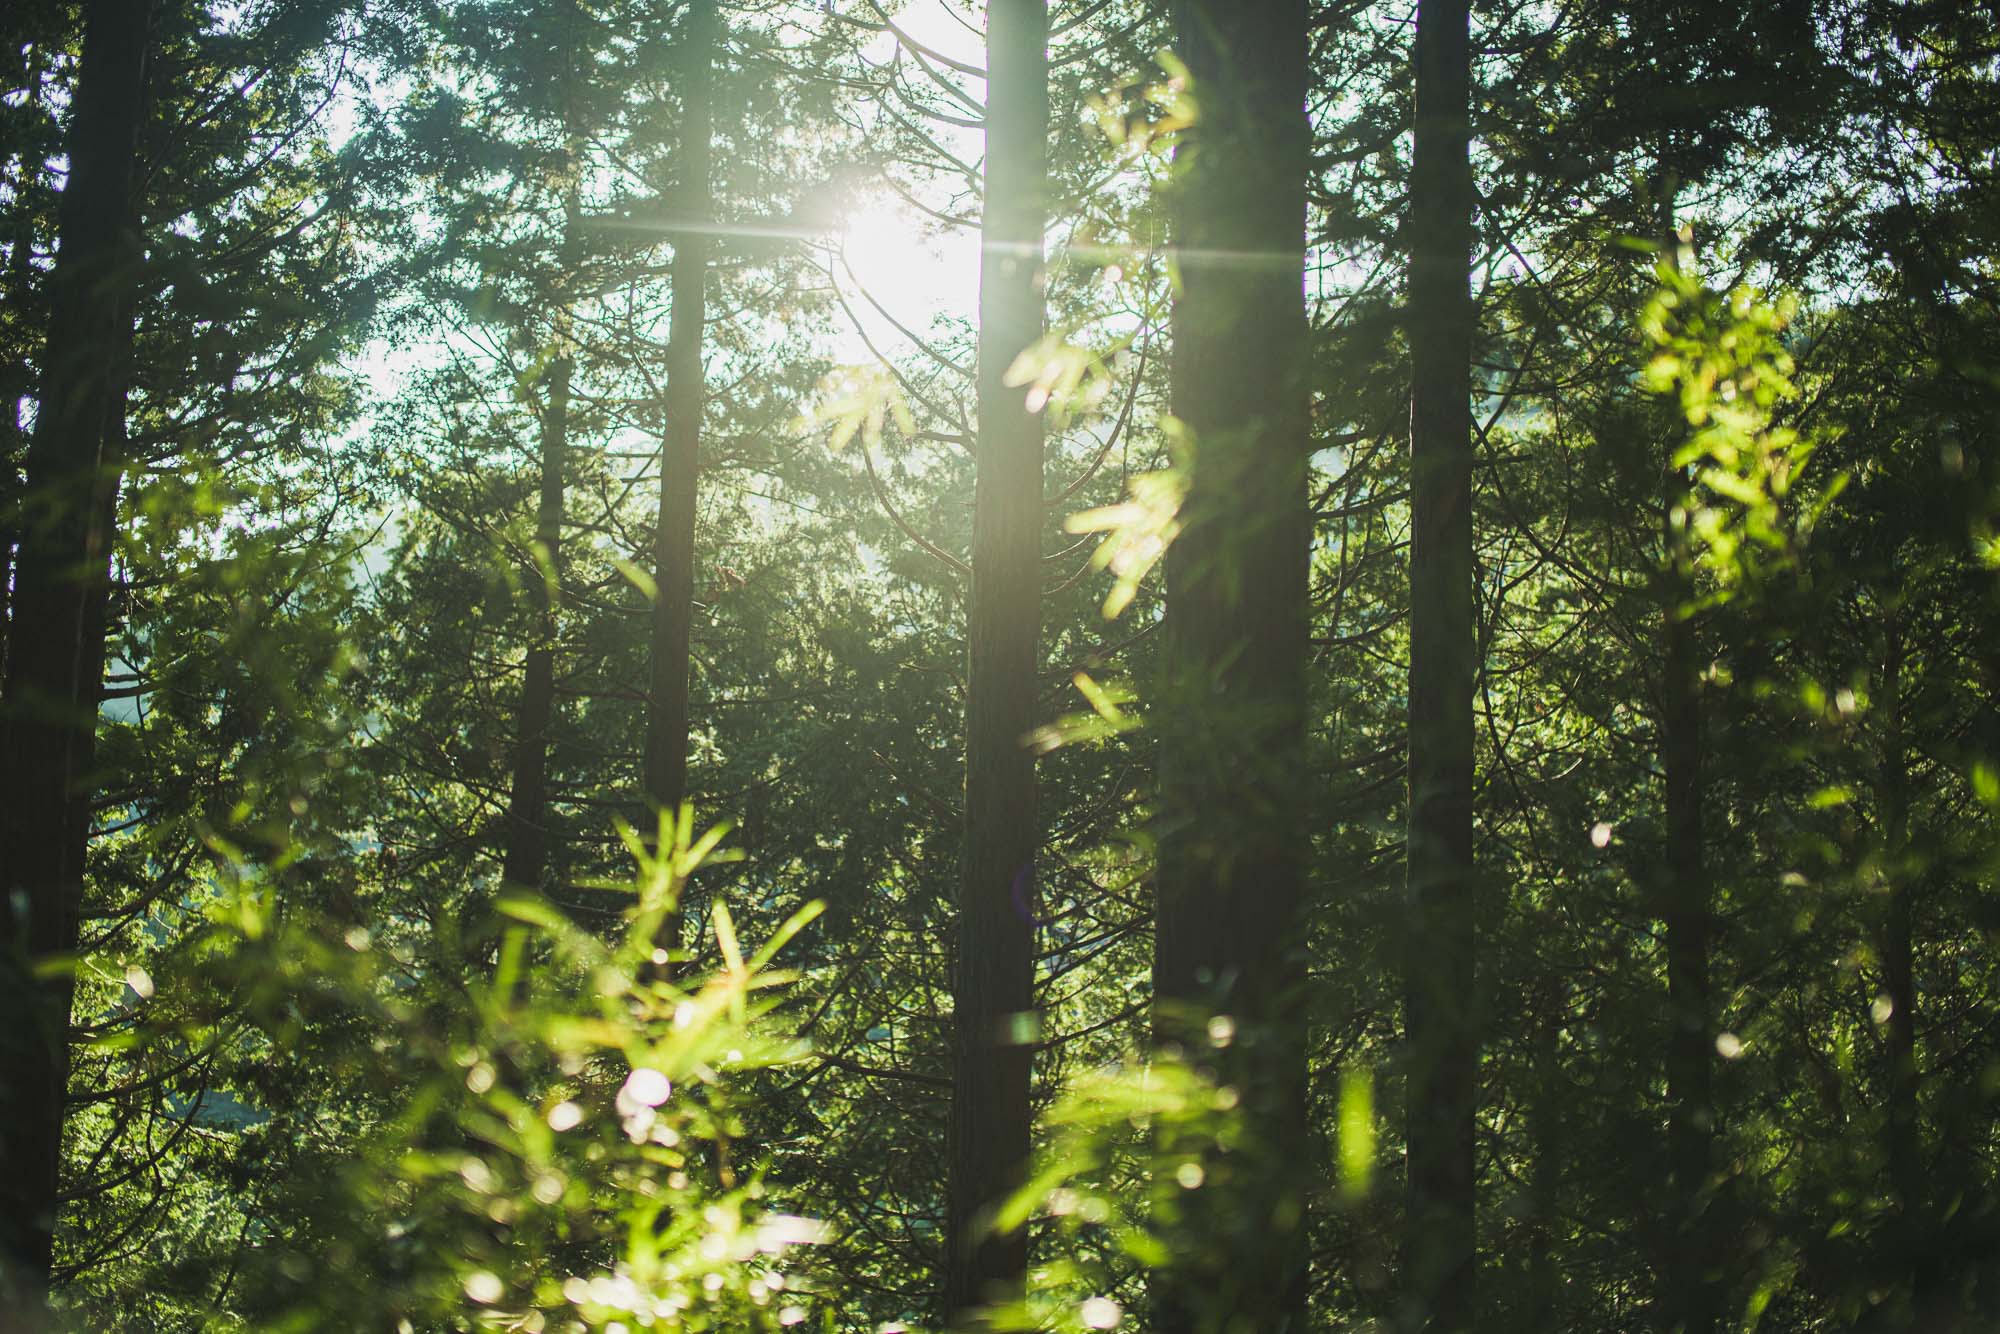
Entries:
{"x":55,"y":654}
{"x":1232,"y":836}
{"x":507,"y":132}
{"x":1686,"y":909}
{"x":525,"y":854}
{"x":993,"y":999}
{"x":680,"y":464}
{"x":1442,"y":1016}
{"x":378,"y":632}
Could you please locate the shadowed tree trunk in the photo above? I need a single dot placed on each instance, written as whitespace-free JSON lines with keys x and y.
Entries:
{"x":680,"y":459}
{"x":993,"y":990}
{"x":1439,"y":970}
{"x":1233,"y":836}
{"x":525,"y":860}
{"x":61,"y":584}
{"x":527,"y":849}
{"x":1691,"y":1044}
{"x":1685,"y":915}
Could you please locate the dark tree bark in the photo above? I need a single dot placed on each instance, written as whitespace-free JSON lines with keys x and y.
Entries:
{"x":667,"y":714}
{"x":1233,"y":834}
{"x":994,"y":982}
{"x":1691,"y":1043}
{"x":527,"y":845}
{"x":1690,"y":1288}
{"x":525,"y":857}
{"x":54,"y":668}
{"x":1439,"y":971}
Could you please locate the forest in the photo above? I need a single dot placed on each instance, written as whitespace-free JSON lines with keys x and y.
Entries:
{"x":1196,"y":666}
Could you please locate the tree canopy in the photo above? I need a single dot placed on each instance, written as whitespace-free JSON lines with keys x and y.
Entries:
{"x":874,"y":665}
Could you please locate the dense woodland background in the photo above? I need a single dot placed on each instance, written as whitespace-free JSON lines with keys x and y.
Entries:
{"x":1399,"y":729}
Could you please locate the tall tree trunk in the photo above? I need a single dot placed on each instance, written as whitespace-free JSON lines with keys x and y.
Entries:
{"x":1439,"y":971}
{"x":1233,"y":835}
{"x":527,"y":844}
{"x":60,"y":586}
{"x":525,"y":857}
{"x":993,"y":992}
{"x":1691,"y":1044}
{"x":664,"y":777}
{"x":1685,"y":914}
{"x":667,"y":715}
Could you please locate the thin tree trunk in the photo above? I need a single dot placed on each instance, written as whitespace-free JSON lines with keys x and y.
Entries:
{"x":1233,"y":832}
{"x":1439,"y":972}
{"x":527,"y":846}
{"x":525,"y":857}
{"x":667,"y":712}
{"x":1690,"y":1285}
{"x":993,"y":990}
{"x":663,"y":780}
{"x":1691,"y":1046}
{"x":54,"y":670}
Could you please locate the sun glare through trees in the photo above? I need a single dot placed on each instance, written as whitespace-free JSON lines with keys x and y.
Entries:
{"x":876,"y":666}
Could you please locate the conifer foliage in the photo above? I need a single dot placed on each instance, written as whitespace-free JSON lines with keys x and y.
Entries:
{"x":999,"y":665}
